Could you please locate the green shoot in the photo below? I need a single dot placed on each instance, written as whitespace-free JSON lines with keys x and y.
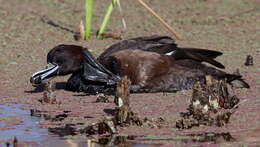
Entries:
{"x":88,"y":15}
{"x":106,"y":18}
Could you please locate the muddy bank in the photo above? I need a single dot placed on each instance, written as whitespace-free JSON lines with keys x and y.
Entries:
{"x":228,"y":26}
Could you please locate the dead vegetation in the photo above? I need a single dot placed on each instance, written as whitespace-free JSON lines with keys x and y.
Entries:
{"x":212,"y":104}
{"x":123,"y":117}
{"x":123,"y":114}
{"x":48,"y":94}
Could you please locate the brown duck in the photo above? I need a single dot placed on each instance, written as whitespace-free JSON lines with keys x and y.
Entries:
{"x":153,"y":64}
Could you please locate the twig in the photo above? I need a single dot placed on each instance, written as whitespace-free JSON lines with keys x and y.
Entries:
{"x":178,"y":36}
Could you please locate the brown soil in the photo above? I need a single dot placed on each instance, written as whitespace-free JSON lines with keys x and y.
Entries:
{"x":230,"y":26}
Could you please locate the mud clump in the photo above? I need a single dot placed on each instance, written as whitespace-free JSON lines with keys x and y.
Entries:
{"x":124,"y":115}
{"x":106,"y":125}
{"x":212,"y":104}
{"x":68,"y":129}
{"x":48,"y":94}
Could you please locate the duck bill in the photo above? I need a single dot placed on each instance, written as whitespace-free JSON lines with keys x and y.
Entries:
{"x":44,"y":75}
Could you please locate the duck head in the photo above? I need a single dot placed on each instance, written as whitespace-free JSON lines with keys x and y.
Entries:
{"x":71,"y":59}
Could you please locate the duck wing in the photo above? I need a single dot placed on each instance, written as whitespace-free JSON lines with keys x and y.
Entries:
{"x":163,"y":45}
{"x":199,"y":55}
{"x":159,"y":44}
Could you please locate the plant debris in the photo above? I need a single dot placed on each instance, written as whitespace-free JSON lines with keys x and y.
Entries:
{"x":68,"y":129}
{"x":212,"y":104}
{"x":111,"y":35}
{"x":123,"y":116}
{"x":48,"y":94}
{"x":80,"y":33}
{"x":106,"y":125}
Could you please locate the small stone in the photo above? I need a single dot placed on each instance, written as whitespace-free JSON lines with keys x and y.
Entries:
{"x":101,"y":98}
{"x":249,"y":61}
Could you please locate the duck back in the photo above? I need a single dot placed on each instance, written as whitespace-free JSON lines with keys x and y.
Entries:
{"x":153,"y":72}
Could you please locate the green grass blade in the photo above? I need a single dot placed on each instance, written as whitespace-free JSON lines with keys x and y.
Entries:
{"x":106,"y":18}
{"x":88,"y":15}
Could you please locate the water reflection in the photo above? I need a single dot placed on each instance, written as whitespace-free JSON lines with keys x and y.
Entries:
{"x":24,"y":125}
{"x":210,"y":137}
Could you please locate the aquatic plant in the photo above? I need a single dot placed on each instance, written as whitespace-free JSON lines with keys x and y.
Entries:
{"x":106,"y":18}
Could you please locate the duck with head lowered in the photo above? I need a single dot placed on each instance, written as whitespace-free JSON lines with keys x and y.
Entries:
{"x":152,"y":63}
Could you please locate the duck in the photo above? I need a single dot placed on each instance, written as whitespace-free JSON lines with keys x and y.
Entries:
{"x":152,"y":63}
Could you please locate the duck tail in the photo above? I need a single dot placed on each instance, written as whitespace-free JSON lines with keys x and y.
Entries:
{"x":237,"y":81}
{"x":204,"y":52}
{"x":206,"y":58}
{"x":200,"y":55}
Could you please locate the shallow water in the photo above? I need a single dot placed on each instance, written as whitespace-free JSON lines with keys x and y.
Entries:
{"x":18,"y":123}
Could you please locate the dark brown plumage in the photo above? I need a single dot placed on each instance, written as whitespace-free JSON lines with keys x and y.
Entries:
{"x":153,"y":72}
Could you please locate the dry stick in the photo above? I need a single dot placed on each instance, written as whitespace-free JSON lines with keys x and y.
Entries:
{"x":122,"y":16}
{"x":178,"y":36}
